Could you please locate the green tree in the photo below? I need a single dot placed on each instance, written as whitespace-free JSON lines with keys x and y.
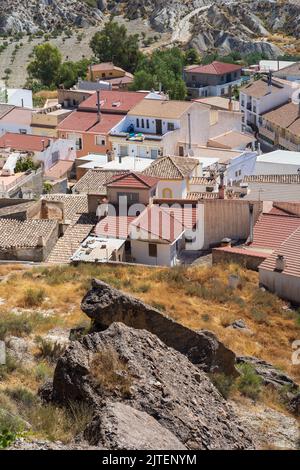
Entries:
{"x":46,"y":63}
{"x":113,"y":44}
{"x":163,"y":67}
{"x":191,"y":56}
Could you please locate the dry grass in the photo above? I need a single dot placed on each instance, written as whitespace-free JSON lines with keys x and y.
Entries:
{"x":110,"y":372}
{"x":198,"y":297}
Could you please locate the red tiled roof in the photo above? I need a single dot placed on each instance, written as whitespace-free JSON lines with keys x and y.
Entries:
{"x":242,"y":251}
{"x":25,"y":142}
{"x":59,"y":169}
{"x":114,"y":226}
{"x":163,"y":223}
{"x":215,"y":68}
{"x":113,"y":101}
{"x":290,"y":250}
{"x":271,"y":230}
{"x":83,"y":121}
{"x":132,"y":180}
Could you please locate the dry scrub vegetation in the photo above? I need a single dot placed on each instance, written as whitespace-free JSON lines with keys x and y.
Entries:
{"x":36,"y":300}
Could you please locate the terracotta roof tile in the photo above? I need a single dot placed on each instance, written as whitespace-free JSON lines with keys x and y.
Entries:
{"x":290,"y":250}
{"x":114,"y":226}
{"x":271,"y":230}
{"x":87,"y":122}
{"x":113,"y":101}
{"x":161,"y":109}
{"x":94,"y":181}
{"x":281,"y":179}
{"x":27,"y":233}
{"x":171,"y":167}
{"x":215,"y":68}
{"x":260,"y":88}
{"x":132,"y":180}
{"x":25,"y":142}
{"x":163,"y":223}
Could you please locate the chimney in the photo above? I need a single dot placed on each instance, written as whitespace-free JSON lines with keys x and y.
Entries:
{"x":280,"y":263}
{"x":98,"y":106}
{"x":221,"y":186}
{"x":120,"y":158}
{"x":270,"y":82}
{"x":258,"y":149}
{"x":251,"y":223}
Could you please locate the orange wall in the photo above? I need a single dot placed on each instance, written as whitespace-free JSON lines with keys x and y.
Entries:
{"x":88,"y":143}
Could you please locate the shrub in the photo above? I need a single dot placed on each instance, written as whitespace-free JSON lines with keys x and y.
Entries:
{"x":10,"y":366}
{"x":110,"y":372}
{"x":22,"y":396}
{"x":14,"y":325}
{"x":143,"y":288}
{"x":43,"y":372}
{"x":249,"y":383}
{"x":158,"y":306}
{"x":260,"y":316}
{"x":33,"y":297}
{"x":224,"y":383}
{"x":49,"y":350}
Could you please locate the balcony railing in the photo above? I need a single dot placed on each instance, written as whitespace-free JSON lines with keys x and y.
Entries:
{"x":266,"y":132}
{"x":288,"y":144}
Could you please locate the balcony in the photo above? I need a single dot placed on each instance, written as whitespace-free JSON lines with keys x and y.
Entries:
{"x":138,"y":137}
{"x":287,"y":144}
{"x":267,"y":133}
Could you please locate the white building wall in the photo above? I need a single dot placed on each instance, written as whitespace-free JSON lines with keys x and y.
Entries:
{"x":286,"y":287}
{"x":19,"y":97}
{"x":14,"y":128}
{"x":178,"y":188}
{"x":140,"y":250}
{"x":243,"y":164}
{"x":270,"y":168}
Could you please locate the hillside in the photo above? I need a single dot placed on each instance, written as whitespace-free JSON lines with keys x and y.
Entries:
{"x":47,"y":303}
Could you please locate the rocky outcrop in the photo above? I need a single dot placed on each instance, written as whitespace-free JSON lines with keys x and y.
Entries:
{"x":37,"y":444}
{"x":32,"y":16}
{"x":119,"y":426}
{"x":105,"y":305}
{"x":269,"y":374}
{"x":160,"y":382}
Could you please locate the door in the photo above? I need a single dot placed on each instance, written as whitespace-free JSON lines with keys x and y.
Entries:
{"x":158,"y":126}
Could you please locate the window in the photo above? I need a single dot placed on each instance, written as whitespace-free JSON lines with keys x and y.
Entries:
{"x":143,"y":123}
{"x":137,"y":123}
{"x":152,"y":250}
{"x":78,"y":143}
{"x":100,"y":140}
{"x":171,"y":126}
{"x":123,"y":150}
{"x":132,"y":198}
{"x":154,"y":153}
{"x":147,"y":123}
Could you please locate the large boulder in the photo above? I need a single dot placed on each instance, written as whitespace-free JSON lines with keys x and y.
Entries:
{"x":122,"y":364}
{"x":105,"y":305}
{"x":119,"y":426}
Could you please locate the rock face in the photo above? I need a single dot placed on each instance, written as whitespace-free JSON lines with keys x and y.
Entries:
{"x":269,"y":374}
{"x":120,"y":426}
{"x":163,"y":383}
{"x":32,"y":16}
{"x":105,"y":305}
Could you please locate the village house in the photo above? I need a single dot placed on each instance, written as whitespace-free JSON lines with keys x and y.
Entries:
{"x":15,"y":119}
{"x":262,"y":96}
{"x":137,"y":188}
{"x":276,"y":187}
{"x":155,"y":128}
{"x":44,"y":150}
{"x":46,"y":120}
{"x":280,"y":272}
{"x":280,"y":128}
{"x":174,"y":175}
{"x":104,"y":71}
{"x":274,"y":225}
{"x":219,"y":103}
{"x":214,"y":79}
{"x":279,"y":162}
{"x":89,"y":126}
{"x":290,"y":72}
{"x":158,"y":234}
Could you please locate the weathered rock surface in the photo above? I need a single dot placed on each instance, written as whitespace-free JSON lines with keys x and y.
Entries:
{"x":36,"y":444}
{"x":32,"y":16}
{"x":105,"y":305}
{"x":19,"y":349}
{"x":240,"y":325}
{"x":294,"y":405}
{"x":269,"y":374}
{"x":163,"y":383}
{"x":271,"y":428}
{"x":119,"y":426}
